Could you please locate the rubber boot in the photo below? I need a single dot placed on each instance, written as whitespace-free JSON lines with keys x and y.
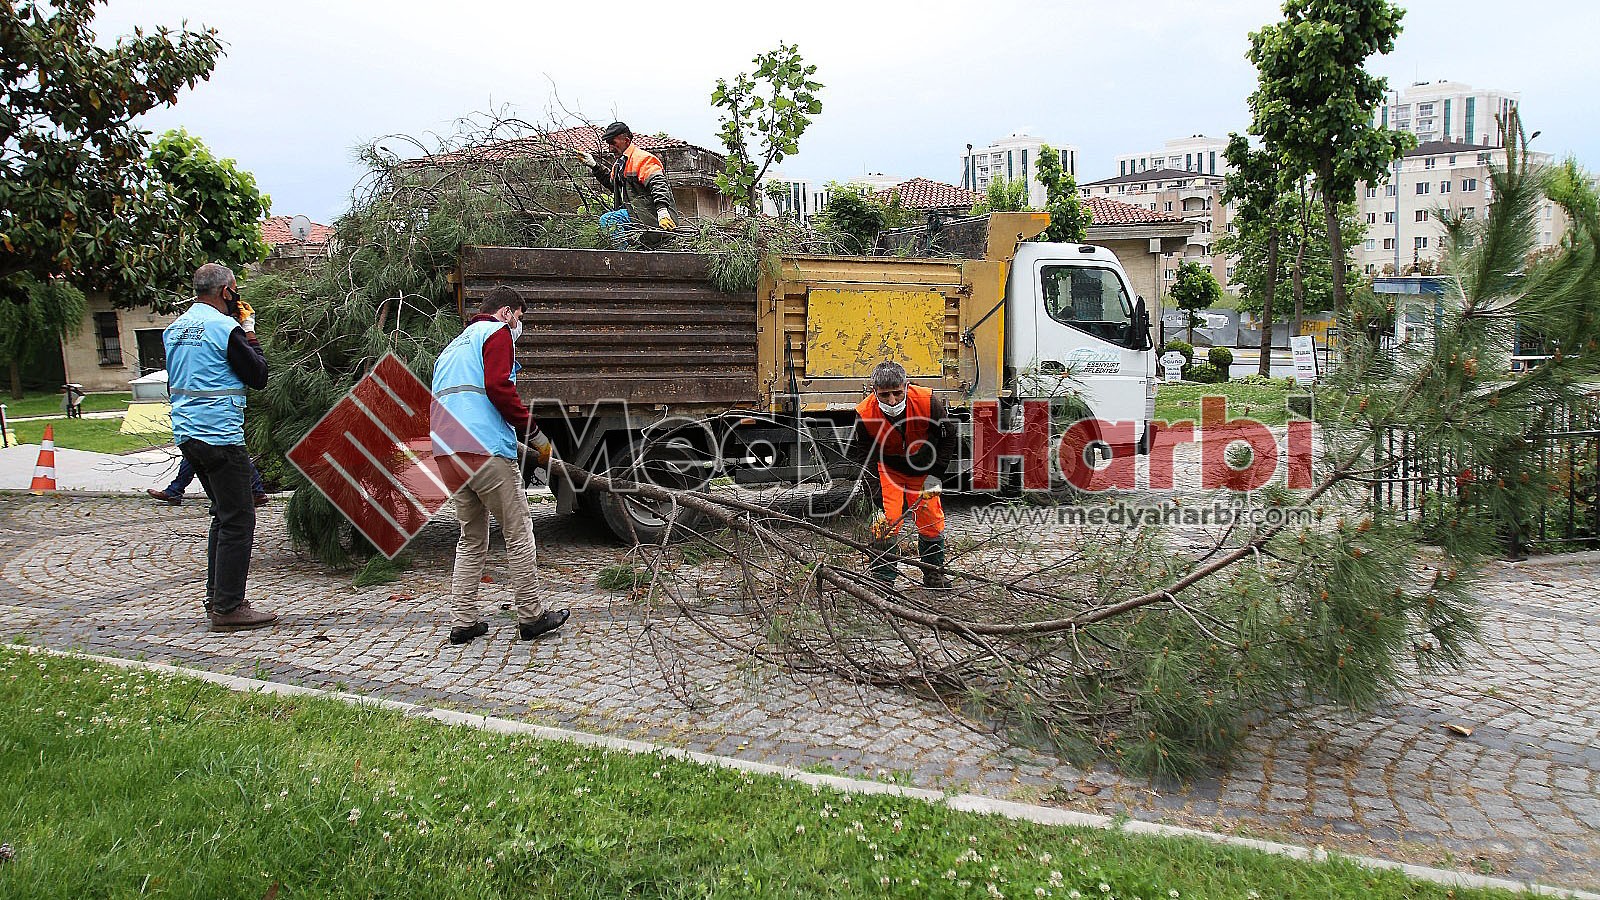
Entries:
{"x":881,"y":560}
{"x":931,"y":552}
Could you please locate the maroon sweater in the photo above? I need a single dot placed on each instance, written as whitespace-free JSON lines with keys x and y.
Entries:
{"x":498,"y":354}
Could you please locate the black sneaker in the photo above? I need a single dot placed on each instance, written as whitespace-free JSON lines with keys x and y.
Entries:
{"x":550,"y":621}
{"x":466,"y":633}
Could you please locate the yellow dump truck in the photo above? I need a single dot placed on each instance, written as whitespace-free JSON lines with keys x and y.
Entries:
{"x":634,"y":363}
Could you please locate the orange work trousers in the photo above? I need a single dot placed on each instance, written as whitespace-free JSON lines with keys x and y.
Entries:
{"x":903,"y":491}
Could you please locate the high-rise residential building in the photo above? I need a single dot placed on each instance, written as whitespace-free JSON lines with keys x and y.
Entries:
{"x":1013,"y":157}
{"x":1196,"y":153}
{"x":1404,"y":232}
{"x":1193,"y":196}
{"x":1448,"y":111}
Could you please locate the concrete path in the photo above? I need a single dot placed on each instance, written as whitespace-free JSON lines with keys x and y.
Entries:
{"x":82,"y":470}
{"x":1518,"y":797}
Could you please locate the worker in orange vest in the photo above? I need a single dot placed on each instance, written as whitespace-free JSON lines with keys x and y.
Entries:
{"x":635,"y":174}
{"x":906,"y":433}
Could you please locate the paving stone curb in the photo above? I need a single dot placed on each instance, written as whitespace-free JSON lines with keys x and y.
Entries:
{"x":1043,"y":815}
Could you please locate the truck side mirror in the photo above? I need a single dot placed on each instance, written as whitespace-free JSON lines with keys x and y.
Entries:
{"x":1140,"y":337}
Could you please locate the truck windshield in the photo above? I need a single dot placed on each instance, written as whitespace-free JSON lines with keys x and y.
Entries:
{"x":1089,"y":299}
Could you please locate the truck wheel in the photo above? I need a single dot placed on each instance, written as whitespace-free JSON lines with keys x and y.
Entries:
{"x":637,"y":519}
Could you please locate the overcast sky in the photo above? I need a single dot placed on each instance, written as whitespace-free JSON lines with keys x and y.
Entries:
{"x":907,"y":85}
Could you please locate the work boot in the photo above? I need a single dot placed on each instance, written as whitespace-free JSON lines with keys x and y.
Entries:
{"x":881,"y":559}
{"x":462,"y":634}
{"x":550,"y":621}
{"x":164,"y":497}
{"x":931,"y":552}
{"x":261,"y":500}
{"x":242,"y":618}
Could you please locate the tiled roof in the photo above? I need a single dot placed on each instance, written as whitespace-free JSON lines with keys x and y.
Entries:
{"x":1435,"y":148}
{"x":1149,"y":175}
{"x":1114,"y":212}
{"x":276,"y":230}
{"x":921,"y":193}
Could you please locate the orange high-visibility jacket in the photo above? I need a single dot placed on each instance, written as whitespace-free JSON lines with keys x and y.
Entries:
{"x":637,"y":174}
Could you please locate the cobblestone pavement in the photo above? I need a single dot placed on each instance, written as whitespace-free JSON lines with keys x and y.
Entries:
{"x":1520,"y":796}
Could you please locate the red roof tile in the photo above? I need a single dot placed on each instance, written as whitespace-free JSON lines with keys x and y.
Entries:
{"x":276,"y":230}
{"x":1106,"y":211}
{"x":921,"y":193}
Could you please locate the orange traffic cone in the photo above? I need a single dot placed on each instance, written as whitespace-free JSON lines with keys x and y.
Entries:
{"x":44,"y":474}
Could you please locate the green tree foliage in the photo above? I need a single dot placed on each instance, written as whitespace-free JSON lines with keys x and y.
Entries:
{"x":763,"y":116}
{"x":1254,"y":186}
{"x":77,"y":198}
{"x":48,"y":312}
{"x":1194,"y":289}
{"x":1315,"y":100}
{"x":220,"y":204}
{"x":1069,"y":217}
{"x":1003,"y":195}
{"x":852,"y":219}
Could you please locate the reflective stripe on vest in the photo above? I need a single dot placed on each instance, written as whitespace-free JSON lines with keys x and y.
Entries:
{"x":208,"y":399}
{"x":458,"y":386}
{"x":919,"y":402}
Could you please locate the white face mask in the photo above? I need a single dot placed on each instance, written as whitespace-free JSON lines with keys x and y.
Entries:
{"x":516,"y":332}
{"x":892,"y":410}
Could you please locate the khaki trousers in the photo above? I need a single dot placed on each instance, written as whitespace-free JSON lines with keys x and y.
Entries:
{"x":496,"y":489}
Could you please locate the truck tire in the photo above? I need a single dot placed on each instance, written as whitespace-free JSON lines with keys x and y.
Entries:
{"x":637,"y":520}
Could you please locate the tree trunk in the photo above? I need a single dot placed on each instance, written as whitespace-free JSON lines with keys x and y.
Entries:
{"x":16,"y":381}
{"x":1330,"y":212}
{"x":1265,"y":367}
{"x":1298,"y":280}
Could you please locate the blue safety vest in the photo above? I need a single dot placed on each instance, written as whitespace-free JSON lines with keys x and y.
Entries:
{"x":458,"y":386}
{"x":207,"y":397}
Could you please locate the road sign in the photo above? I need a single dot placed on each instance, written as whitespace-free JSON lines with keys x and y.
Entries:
{"x":372,"y":455}
{"x":1304,"y":349}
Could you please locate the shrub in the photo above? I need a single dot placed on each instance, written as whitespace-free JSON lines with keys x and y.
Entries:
{"x":1222,"y":358}
{"x":1201,"y":373}
{"x":1264,"y":380}
{"x":1186,"y":349}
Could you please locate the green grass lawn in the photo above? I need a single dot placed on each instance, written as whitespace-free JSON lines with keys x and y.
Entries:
{"x":49,"y":404}
{"x":1263,"y":402}
{"x":99,"y":435}
{"x":122,"y":783}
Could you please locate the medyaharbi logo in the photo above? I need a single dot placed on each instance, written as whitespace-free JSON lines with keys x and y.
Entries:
{"x":373,"y":456}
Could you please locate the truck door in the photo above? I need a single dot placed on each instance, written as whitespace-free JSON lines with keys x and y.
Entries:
{"x":1086,"y":325}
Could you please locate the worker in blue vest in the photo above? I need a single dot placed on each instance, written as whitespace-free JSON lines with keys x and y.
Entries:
{"x":475,"y":381}
{"x":212,"y":356}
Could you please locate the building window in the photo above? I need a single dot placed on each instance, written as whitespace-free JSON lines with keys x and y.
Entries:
{"x":1168,"y":274}
{"x":1388,"y":243}
{"x":1372,"y":218}
{"x":1424,"y":109}
{"x":1429,"y":163}
{"x":1468,"y":123}
{"x":1547,"y":211}
{"x":1452,"y":159}
{"x":1422,"y":215}
{"x":1372,"y":244}
{"x":108,"y":338}
{"x":1422,"y":187}
{"x":1419,"y":243}
{"x":1229,"y":273}
{"x":1122,"y":168}
{"x":1483,"y":159}
{"x":1469,"y":184}
{"x":1389,"y":190}
{"x":1372,"y":192}
{"x":1388,"y":217}
{"x":1152,"y":206}
{"x":1169,"y":206}
{"x":1213,"y":162}
{"x":1469,"y":212}
{"x":1444,"y":187}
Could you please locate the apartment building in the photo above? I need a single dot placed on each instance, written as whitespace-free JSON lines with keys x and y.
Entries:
{"x":1448,"y":111}
{"x":1404,"y":231}
{"x":1015,"y":156}
{"x":1196,"y":153}
{"x":1192,"y":196}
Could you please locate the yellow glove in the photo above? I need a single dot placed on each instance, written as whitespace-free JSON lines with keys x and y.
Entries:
{"x":540,"y":444}
{"x":247,"y":316}
{"x":664,"y":219}
{"x":880,"y":526}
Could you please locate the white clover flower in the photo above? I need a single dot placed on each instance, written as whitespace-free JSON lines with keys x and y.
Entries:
{"x":355,"y":816}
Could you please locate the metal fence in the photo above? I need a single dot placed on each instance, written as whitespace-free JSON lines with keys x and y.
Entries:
{"x":1565,"y":451}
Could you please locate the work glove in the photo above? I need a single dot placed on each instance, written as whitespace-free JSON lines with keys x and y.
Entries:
{"x":664,"y":219}
{"x":540,"y":444}
{"x":587,"y":158}
{"x":932,"y":485}
{"x":247,"y":316}
{"x":879,"y":528}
